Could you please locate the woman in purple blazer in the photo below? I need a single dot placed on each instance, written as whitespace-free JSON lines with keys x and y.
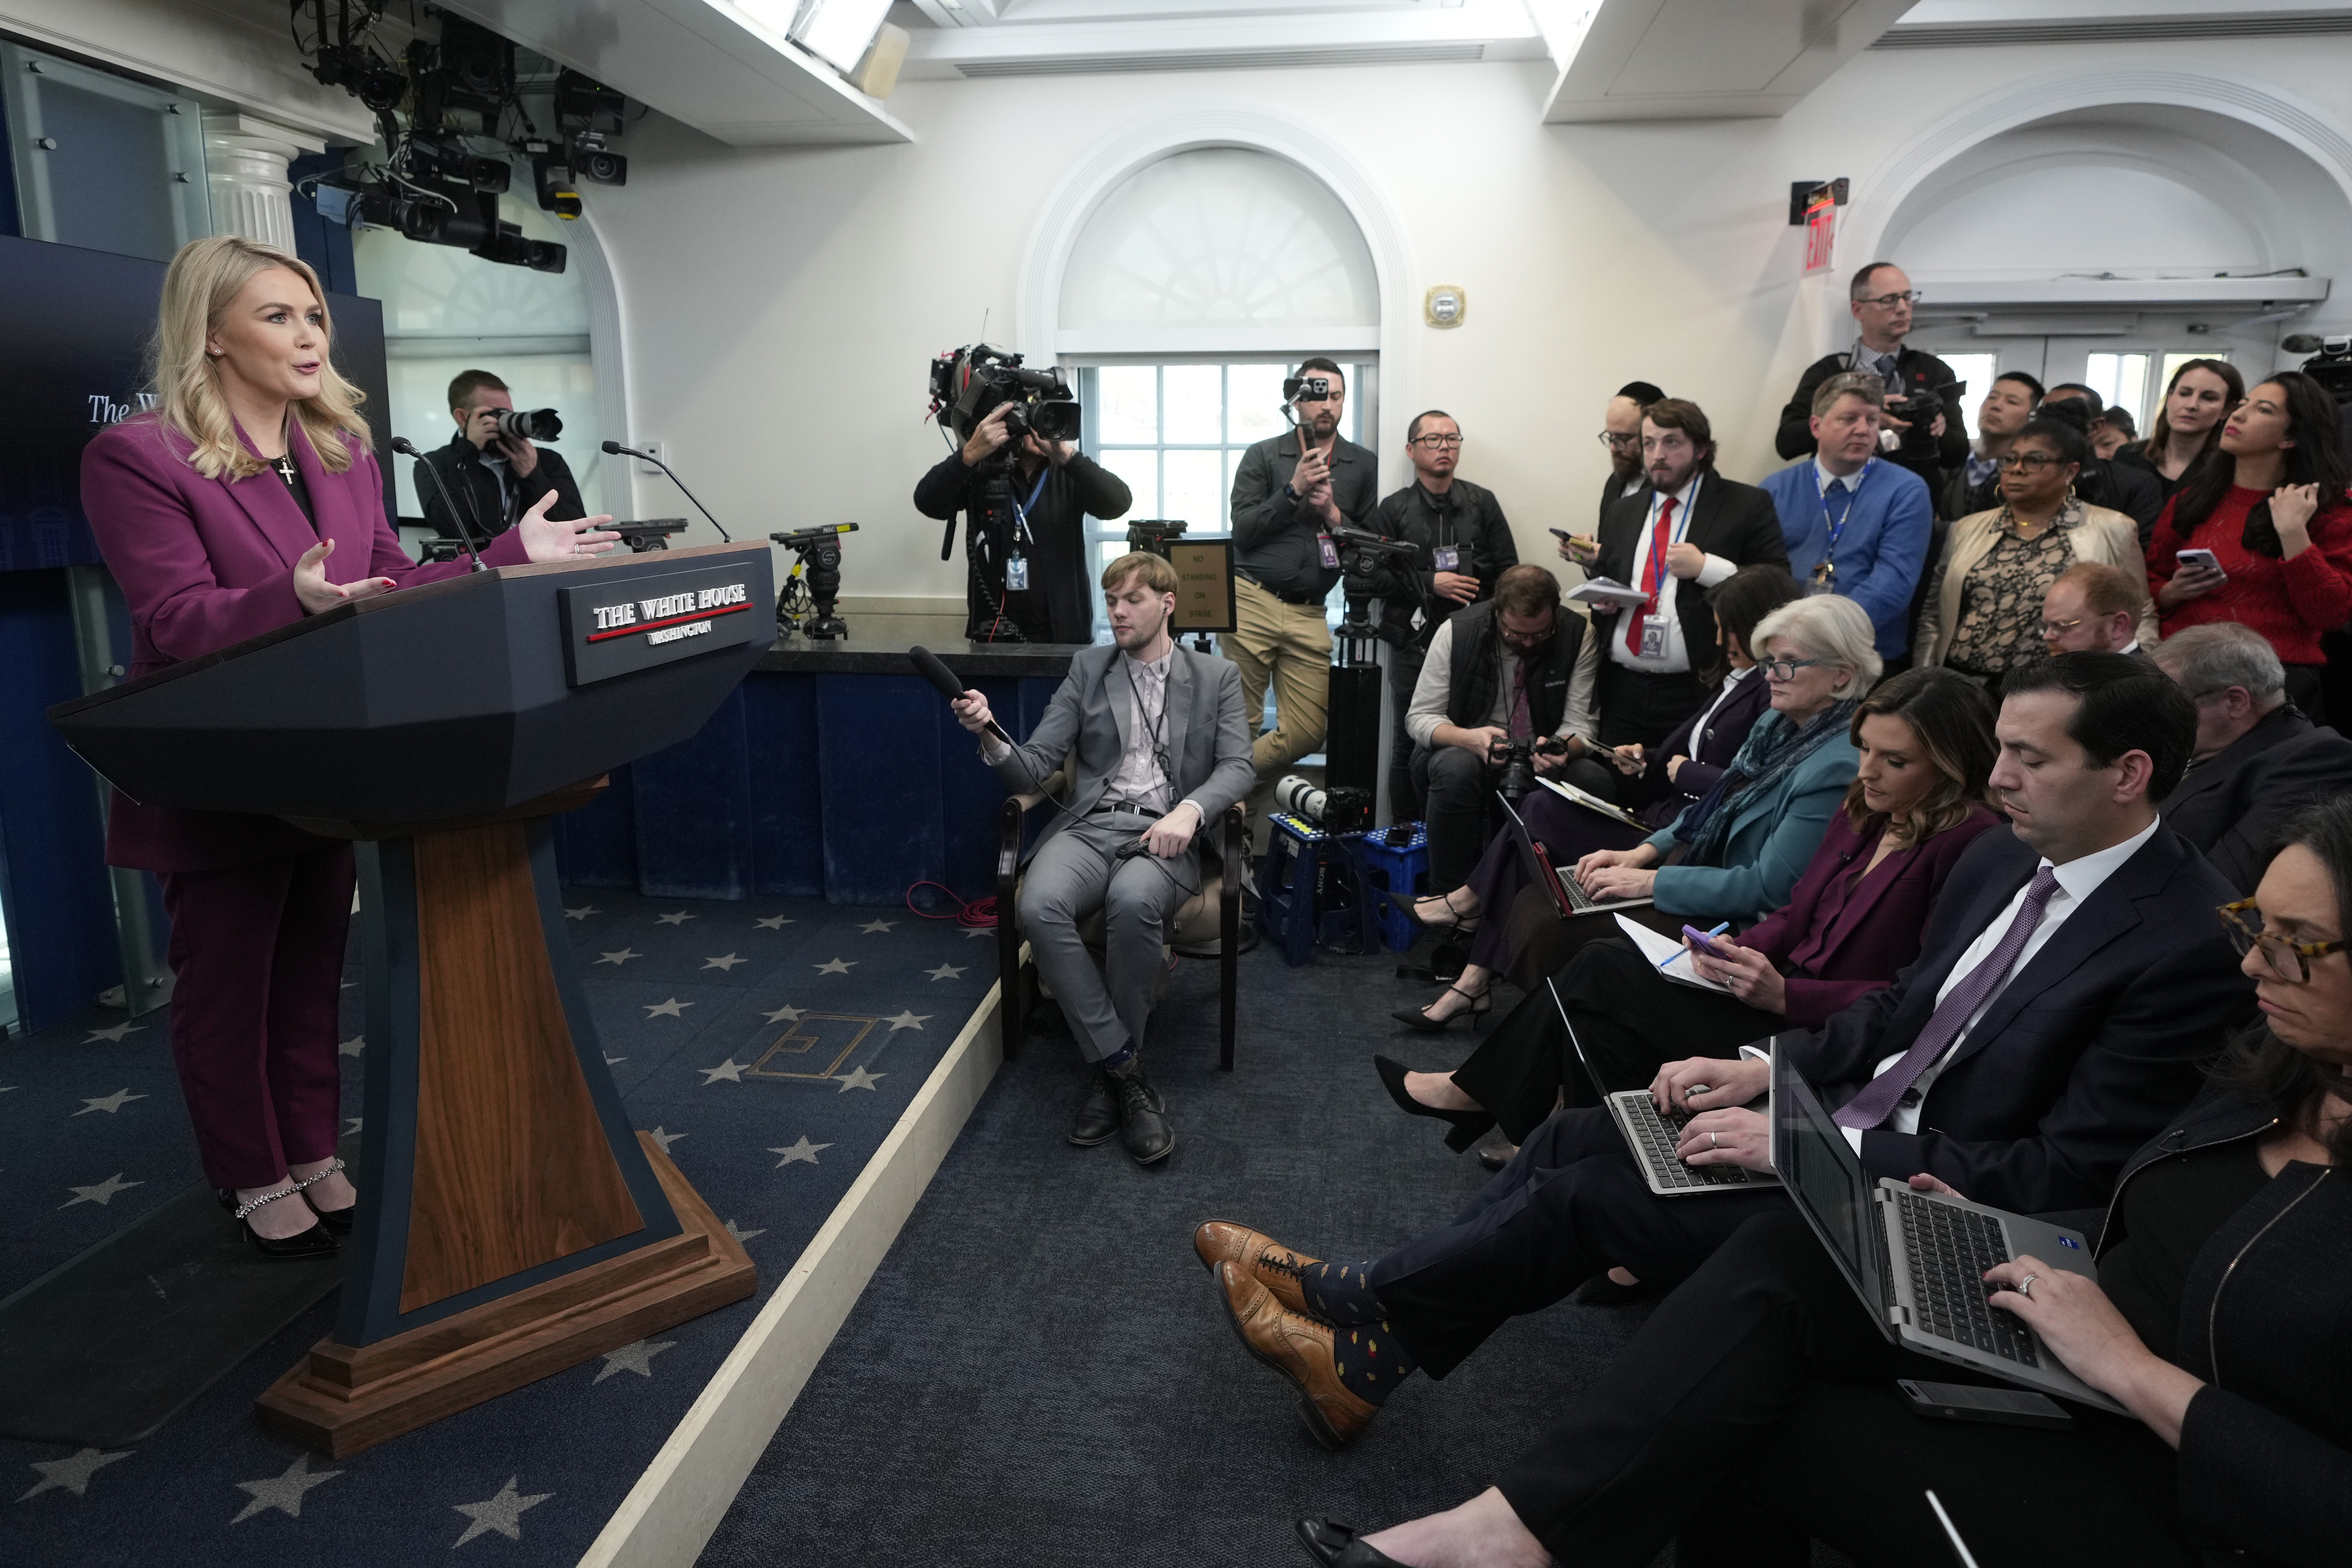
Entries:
{"x":247,"y":499}
{"x":1855,"y":917}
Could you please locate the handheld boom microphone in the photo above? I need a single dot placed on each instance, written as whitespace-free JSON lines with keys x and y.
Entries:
{"x":407,"y":448}
{"x":615,"y":449}
{"x":927,"y":665}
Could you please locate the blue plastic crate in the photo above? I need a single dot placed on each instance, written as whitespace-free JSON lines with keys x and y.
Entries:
{"x":1299,"y":858}
{"x":1403,"y":869}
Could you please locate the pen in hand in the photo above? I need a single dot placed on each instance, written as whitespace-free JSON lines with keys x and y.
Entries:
{"x":1717,"y":931}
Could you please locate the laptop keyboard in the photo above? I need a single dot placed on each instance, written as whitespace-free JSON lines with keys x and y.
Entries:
{"x":1949,"y":1249}
{"x":1659,"y":1134}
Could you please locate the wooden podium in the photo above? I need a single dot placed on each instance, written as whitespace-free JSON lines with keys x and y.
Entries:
{"x":509,"y":1223}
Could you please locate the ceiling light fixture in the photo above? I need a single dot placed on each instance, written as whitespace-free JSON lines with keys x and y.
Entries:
{"x":839,"y":31}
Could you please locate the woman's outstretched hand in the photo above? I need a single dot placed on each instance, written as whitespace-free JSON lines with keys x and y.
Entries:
{"x":310,"y":585}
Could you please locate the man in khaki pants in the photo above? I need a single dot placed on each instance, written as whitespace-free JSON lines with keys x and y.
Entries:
{"x":1290,"y":491}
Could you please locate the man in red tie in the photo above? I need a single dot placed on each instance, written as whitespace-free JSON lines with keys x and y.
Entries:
{"x":1691,"y":529}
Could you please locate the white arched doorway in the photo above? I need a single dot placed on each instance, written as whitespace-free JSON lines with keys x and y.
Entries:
{"x":2102,"y":227}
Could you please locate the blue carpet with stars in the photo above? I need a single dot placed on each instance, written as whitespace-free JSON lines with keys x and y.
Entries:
{"x":770,"y":1044}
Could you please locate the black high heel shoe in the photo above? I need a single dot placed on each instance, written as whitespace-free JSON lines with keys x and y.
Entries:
{"x":1336,"y":1546}
{"x":1465,"y":924}
{"x":1481,"y":1003}
{"x":337,"y":1221}
{"x":1464,"y":1127}
{"x":301,"y":1246}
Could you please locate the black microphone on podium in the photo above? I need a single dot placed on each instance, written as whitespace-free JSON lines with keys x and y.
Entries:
{"x":615,"y":449}
{"x":927,"y":665}
{"x":407,"y":448}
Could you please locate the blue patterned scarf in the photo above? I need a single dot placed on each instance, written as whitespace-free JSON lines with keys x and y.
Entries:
{"x":1772,"y":749}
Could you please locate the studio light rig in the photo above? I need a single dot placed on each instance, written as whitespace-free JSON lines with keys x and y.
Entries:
{"x":452,"y":118}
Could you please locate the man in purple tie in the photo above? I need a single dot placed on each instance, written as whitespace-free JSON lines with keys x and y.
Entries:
{"x":2068,"y":984}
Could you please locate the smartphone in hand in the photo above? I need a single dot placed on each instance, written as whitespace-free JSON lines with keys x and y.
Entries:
{"x":2201,"y":560}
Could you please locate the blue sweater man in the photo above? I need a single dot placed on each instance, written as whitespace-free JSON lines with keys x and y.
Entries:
{"x":1863,"y":533}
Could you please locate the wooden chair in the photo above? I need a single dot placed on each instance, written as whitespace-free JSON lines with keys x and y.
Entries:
{"x":1213,"y":914}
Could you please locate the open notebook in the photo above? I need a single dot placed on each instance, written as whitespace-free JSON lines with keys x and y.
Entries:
{"x":1659,"y":949}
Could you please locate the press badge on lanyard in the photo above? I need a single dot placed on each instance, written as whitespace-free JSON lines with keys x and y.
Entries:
{"x":1657,"y":625}
{"x":1016,"y":565}
{"x":1653,"y":636}
{"x":1825,"y":569}
{"x":1330,"y":549}
{"x":1446,"y":557}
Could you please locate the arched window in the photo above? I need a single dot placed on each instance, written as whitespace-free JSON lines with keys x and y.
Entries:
{"x":1197,"y":282}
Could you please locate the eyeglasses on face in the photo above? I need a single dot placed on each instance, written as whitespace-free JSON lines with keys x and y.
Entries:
{"x":1612,"y":439}
{"x":1437,"y":440}
{"x":2281,"y":959}
{"x":2060,"y":628}
{"x":1786,"y":669}
{"x":1888,"y":302}
{"x":2032,"y":462}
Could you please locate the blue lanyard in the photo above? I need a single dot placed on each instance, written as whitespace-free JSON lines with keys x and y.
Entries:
{"x":1852,"y":491}
{"x":1021,"y":510}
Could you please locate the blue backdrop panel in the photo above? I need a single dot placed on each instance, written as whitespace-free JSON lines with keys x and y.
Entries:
{"x":596,"y":847}
{"x":787,"y":805}
{"x":693,"y":812}
{"x":878,"y":758}
{"x":54,"y":890}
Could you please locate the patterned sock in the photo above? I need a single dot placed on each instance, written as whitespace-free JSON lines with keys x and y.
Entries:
{"x":1339,"y":1294}
{"x":1371,"y":1362}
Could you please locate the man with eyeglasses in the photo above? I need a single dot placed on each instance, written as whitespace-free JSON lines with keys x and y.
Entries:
{"x":1621,"y":431}
{"x":1854,"y":523}
{"x":2257,"y":758}
{"x":2093,"y":608}
{"x":1290,"y":492}
{"x":1465,"y":544}
{"x":1926,"y":432}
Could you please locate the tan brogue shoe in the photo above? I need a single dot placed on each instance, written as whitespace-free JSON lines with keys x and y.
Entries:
{"x":1297,"y":1347}
{"x":1276,"y":1267}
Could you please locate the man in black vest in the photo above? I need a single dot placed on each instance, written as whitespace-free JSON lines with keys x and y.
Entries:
{"x":1517,"y":667}
{"x":1464,"y":546}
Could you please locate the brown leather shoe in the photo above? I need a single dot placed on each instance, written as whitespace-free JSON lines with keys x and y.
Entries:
{"x":1276,"y":1267}
{"x":1297,"y":1347}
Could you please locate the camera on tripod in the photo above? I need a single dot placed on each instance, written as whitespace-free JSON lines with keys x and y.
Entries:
{"x":806,"y":603}
{"x":971,"y":383}
{"x":1152,"y":534}
{"x":1518,"y":758}
{"x":529,"y":424}
{"x":2330,"y":364}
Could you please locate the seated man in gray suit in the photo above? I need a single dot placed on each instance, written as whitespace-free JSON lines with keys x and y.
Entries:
{"x":1162,"y":749}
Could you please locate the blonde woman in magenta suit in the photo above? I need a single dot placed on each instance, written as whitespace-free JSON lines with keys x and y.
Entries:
{"x":247,"y":499}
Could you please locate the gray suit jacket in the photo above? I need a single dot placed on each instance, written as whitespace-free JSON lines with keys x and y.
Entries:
{"x":1208,"y":735}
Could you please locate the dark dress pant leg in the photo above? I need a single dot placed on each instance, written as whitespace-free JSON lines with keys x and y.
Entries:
{"x":1404,"y":789}
{"x":1636,"y":705}
{"x":1632,"y":1020}
{"x":1455,"y":812}
{"x":256,"y":955}
{"x":1570,"y":1204}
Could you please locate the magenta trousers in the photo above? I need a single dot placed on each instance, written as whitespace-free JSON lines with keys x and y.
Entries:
{"x":257,"y":957}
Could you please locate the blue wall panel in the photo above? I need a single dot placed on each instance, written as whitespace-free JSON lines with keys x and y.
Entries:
{"x":787,"y":803}
{"x":878,"y":756}
{"x":596,"y":847}
{"x":693,"y":812}
{"x":54,"y":888}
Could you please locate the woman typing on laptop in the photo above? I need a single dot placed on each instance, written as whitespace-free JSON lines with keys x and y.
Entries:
{"x":1758,"y":1406}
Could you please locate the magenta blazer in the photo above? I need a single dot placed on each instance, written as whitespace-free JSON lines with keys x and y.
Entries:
{"x":1843,"y":941}
{"x":204,"y":564}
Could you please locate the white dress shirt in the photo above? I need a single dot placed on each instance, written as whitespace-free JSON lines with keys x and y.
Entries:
{"x":1138,"y":779}
{"x":1713,"y":570}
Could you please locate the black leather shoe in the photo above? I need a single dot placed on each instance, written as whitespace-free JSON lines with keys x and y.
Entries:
{"x":1097,"y":1120}
{"x":1464,"y":1127}
{"x":1335,"y":1545}
{"x":1142,"y":1115}
{"x":338,"y":1222}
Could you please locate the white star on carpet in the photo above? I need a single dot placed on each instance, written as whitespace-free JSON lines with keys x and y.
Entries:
{"x":351,"y":1046}
{"x":676,"y":918}
{"x":981,"y":930}
{"x":730,"y":1070}
{"x":284,"y":1492}
{"x":787,"y":1014}
{"x":835,"y":967}
{"x":664,"y":1137}
{"x":877,"y":925}
{"x":620,"y":958}
{"x":673,"y":1008}
{"x":582,"y":912}
{"x":115,"y":1034}
{"x":101,"y":1195}
{"x":354,"y":1126}
{"x":858,"y":1078}
{"x":803,"y":1149}
{"x":72,"y":1474}
{"x":726,"y":962}
{"x":948,"y":972}
{"x":773,"y":922}
{"x":502,"y":1513}
{"x":615,"y":1061}
{"x":637,"y":1357}
{"x":740,"y":1234}
{"x":109,"y":1103}
{"x":909,"y":1020}
{"x":9,"y":1088}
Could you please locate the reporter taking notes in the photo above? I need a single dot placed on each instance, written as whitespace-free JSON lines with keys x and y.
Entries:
{"x":247,"y":499}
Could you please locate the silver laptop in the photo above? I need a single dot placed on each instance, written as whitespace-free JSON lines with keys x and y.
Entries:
{"x":1567,"y":895}
{"x":1652,"y":1135}
{"x":1917,"y":1259}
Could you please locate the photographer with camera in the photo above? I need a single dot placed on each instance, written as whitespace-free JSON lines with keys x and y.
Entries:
{"x":1290,"y":492}
{"x":1463,"y":545}
{"x":1025,"y":577}
{"x":1926,"y":432}
{"x":492,"y":466}
{"x":1515,"y":667}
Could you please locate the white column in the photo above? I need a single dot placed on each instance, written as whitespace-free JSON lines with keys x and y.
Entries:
{"x":244,"y":164}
